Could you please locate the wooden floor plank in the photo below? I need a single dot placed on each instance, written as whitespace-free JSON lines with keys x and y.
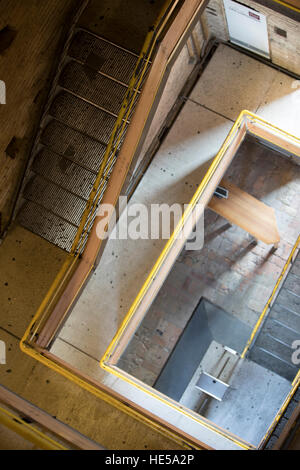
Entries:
{"x":247,"y":212}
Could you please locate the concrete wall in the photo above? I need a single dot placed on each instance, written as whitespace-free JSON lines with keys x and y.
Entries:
{"x":285,"y":51}
{"x":179,"y":74}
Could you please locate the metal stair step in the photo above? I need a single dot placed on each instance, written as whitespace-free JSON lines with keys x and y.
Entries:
{"x":64,"y":173}
{"x":78,"y":147}
{"x":102,"y":56}
{"x":288,"y":300}
{"x":55,"y":199}
{"x":286,"y":316}
{"x":296,"y":396}
{"x":281,"y":330}
{"x":268,"y":360}
{"x":49,"y":226}
{"x":275,"y":346}
{"x":83,"y":116}
{"x":295,"y":269}
{"x":292,"y":283}
{"x":75,"y":131}
{"x":100,"y":90}
{"x":271,"y":442}
{"x":280,"y":426}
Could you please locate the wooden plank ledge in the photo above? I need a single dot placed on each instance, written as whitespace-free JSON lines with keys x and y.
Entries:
{"x":247,"y":212}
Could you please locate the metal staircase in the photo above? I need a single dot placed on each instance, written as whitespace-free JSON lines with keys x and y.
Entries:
{"x":82,"y":109}
{"x":287,"y":426}
{"x":273,"y":346}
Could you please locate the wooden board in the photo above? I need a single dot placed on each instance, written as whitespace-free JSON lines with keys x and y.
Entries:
{"x":247,"y":212}
{"x":47,"y":422}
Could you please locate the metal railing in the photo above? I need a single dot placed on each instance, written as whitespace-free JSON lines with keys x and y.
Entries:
{"x":163,"y":42}
{"x":257,"y":328}
{"x":38,"y":427}
{"x":116,"y":140}
{"x":247,"y":122}
{"x":119,"y":130}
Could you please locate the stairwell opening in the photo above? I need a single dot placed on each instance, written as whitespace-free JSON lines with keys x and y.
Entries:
{"x":200,"y":321}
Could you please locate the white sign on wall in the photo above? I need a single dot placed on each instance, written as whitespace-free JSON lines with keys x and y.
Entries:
{"x":247,"y":27}
{"x":2,"y":92}
{"x":2,"y":352}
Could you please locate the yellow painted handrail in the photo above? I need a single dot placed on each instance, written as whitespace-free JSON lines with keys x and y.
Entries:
{"x":287,"y":5}
{"x":171,"y":240}
{"x":107,"y":362}
{"x":243,"y":115}
{"x":28,"y":432}
{"x":120,"y":125}
{"x":109,"y":157}
{"x":268,"y":304}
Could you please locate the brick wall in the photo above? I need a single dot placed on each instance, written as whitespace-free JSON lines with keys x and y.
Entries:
{"x":285,"y":51}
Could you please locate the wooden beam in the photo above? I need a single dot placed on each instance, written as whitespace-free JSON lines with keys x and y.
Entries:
{"x":172,"y":250}
{"x":278,"y":139}
{"x":244,"y":210}
{"x":46,"y":421}
{"x":128,"y":406}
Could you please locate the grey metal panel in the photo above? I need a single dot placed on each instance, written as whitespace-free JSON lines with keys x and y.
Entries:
{"x":208,"y":322}
{"x":212,"y":386}
{"x":186,"y":356}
